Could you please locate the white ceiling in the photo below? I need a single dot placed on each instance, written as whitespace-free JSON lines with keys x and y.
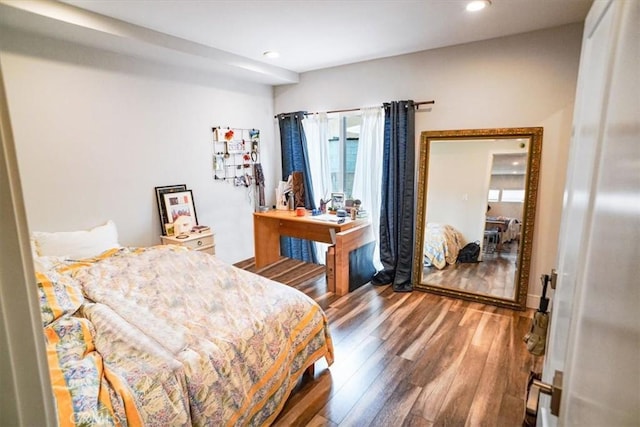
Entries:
{"x":308,"y":34}
{"x":509,"y":164}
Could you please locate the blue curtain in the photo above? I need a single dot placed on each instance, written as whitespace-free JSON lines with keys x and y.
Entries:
{"x":295,"y":157}
{"x":396,"y":212}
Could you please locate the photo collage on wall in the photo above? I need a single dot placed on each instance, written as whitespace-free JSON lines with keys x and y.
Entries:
{"x":235,"y":153}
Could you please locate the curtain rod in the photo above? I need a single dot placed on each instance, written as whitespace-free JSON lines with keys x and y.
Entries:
{"x":416,"y":105}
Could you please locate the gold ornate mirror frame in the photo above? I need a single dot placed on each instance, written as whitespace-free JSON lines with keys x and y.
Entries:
{"x":534,"y":137}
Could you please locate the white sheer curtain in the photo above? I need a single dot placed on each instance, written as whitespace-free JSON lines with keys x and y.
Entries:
{"x":316,"y":129}
{"x":368,"y":174}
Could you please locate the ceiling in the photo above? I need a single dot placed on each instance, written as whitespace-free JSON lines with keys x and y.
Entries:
{"x":308,"y":34}
{"x":509,"y":164}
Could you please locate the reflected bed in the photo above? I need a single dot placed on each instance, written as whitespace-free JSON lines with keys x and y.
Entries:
{"x":442,"y":242}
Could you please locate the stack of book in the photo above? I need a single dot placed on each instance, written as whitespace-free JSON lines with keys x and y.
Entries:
{"x":200,"y":228}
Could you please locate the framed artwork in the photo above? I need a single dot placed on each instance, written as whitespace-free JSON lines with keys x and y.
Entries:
{"x":169,"y":229}
{"x":337,"y":201}
{"x":160,"y":192}
{"x":180,"y":204}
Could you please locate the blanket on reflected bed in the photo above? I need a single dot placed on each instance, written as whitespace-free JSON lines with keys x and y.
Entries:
{"x":442,"y":242}
{"x":167,"y":336}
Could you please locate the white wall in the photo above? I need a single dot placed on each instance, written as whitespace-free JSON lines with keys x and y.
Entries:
{"x":96,"y":132}
{"x":457,"y":189}
{"x":523,"y":80}
{"x":458,"y":183}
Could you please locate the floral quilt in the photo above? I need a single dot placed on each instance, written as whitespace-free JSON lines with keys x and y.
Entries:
{"x":167,"y":336}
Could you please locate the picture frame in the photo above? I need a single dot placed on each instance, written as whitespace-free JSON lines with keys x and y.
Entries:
{"x":337,"y":201}
{"x":169,"y":229}
{"x":160,"y":192}
{"x":180,"y":204}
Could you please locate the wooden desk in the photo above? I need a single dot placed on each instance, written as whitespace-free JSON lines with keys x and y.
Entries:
{"x":500,"y":225}
{"x":345,"y":237}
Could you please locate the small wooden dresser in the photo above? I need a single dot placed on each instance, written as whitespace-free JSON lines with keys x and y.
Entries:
{"x":197,"y":241}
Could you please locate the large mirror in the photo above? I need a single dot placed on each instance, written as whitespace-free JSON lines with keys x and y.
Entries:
{"x":477,"y":185}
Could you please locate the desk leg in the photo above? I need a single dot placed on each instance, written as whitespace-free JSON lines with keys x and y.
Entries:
{"x":346,"y":242}
{"x":341,"y":267}
{"x":266,"y":240}
{"x":331,"y":269}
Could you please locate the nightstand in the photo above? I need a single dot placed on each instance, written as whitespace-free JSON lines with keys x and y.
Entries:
{"x":197,"y":241}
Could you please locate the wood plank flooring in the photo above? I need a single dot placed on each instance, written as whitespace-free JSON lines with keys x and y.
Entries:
{"x":408,"y":359}
{"x":494,"y":276}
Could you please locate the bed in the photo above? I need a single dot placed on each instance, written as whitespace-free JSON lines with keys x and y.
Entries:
{"x":168,"y":336}
{"x":442,"y":242}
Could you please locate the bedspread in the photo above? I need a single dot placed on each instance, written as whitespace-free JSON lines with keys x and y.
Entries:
{"x":186,"y":339}
{"x":442,"y":242}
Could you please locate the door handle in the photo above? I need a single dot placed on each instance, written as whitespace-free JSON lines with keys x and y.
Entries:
{"x":553,"y":278}
{"x":533,"y":396}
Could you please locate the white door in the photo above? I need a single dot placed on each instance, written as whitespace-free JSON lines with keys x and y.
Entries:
{"x":594,"y":336}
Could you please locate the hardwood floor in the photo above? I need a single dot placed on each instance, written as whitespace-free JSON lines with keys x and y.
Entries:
{"x":494,"y":276}
{"x":408,"y":359}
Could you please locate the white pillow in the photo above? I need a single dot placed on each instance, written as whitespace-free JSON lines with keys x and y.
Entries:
{"x":77,"y":244}
{"x":43,"y":264}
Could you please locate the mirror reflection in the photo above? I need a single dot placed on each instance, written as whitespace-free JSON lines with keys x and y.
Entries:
{"x":476,"y":207}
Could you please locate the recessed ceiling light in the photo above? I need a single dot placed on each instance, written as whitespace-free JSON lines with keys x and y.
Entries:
{"x":271,"y":54}
{"x":477,"y":5}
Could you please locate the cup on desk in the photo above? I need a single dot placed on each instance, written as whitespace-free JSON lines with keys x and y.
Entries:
{"x":301,"y":211}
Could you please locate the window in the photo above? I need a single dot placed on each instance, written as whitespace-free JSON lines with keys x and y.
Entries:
{"x":494,"y":195}
{"x":343,"y":139}
{"x":513,"y":196}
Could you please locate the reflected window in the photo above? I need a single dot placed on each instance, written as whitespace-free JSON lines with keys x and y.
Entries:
{"x":515,"y":196}
{"x":494,"y":195}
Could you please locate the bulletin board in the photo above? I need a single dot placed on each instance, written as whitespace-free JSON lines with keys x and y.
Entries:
{"x":235,"y":153}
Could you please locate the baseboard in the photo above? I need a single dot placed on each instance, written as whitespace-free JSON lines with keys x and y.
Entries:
{"x":533,"y":301}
